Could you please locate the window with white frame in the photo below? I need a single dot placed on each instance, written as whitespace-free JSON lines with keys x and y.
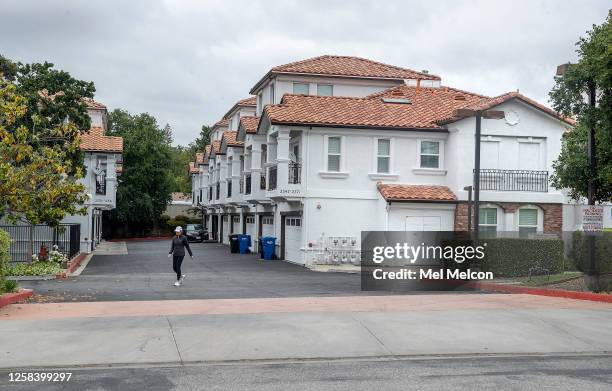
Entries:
{"x":487,"y":220}
{"x":383,"y":155}
{"x":430,"y":154}
{"x":250,"y":220}
{"x":293,"y":221}
{"x":300,"y":88}
{"x":259,"y":103}
{"x":271,"y":93}
{"x":325,"y":90}
{"x":236,"y":219}
{"x":334,"y":153}
{"x":527,"y":221}
{"x":268,"y":220}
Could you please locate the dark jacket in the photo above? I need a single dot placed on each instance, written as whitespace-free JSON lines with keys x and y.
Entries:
{"x":178,"y":246}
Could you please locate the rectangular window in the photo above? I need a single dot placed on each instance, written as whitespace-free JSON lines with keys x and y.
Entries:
{"x":430,"y":154}
{"x":383,"y":156}
{"x":259,"y":103}
{"x":300,"y":88}
{"x":272,"y":93}
{"x":333,"y":153}
{"x":487,"y":220}
{"x":267,"y":220}
{"x":527,"y":221}
{"x":325,"y":90}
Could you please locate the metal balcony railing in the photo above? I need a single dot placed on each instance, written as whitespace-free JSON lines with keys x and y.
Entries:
{"x":101,"y":183}
{"x":514,"y":180}
{"x":272,"y":178}
{"x":247,"y":184}
{"x":295,"y":173}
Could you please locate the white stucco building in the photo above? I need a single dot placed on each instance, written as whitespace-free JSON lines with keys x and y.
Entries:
{"x":331,"y":146}
{"x":102,"y":166}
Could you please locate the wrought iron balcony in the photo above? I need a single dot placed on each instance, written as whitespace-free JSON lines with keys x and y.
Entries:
{"x":514,"y":180}
{"x":295,"y":173}
{"x":272,"y":178}
{"x":247,"y":184}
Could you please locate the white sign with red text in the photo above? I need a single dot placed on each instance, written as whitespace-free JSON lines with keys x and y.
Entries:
{"x":592,"y":218}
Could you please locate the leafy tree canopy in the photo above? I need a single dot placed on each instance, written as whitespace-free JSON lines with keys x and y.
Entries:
{"x":146,"y":182}
{"x":569,"y":97}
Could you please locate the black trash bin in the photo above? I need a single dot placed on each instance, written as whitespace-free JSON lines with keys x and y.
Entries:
{"x":234,"y":243}
{"x":260,"y":248}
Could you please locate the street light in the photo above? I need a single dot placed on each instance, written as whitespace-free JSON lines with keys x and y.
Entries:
{"x":480,"y":114}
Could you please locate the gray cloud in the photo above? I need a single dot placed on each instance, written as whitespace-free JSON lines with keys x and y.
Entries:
{"x":187,"y":62}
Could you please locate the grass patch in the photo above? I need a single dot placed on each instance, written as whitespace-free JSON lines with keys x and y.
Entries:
{"x":33,"y":269}
{"x":548,"y":279}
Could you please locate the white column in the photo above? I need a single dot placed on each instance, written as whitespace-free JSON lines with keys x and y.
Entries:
{"x":282,"y":158}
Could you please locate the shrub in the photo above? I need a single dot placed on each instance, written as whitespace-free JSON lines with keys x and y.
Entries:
{"x":5,"y":244}
{"x":34,"y":269}
{"x":10,"y":286}
{"x":514,"y":257}
{"x":603,"y":252}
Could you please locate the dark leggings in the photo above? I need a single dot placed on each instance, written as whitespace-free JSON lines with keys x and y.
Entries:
{"x":177,"y":260}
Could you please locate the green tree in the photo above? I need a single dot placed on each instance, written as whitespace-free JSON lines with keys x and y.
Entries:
{"x":146,"y":182}
{"x":594,"y":66}
{"x":53,"y":97}
{"x":203,"y":139}
{"x":181,"y":156}
{"x":37,"y":185}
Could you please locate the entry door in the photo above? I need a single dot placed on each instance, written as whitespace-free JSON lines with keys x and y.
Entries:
{"x":423,"y":223}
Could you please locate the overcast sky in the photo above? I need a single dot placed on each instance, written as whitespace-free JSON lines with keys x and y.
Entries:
{"x":187,"y":62}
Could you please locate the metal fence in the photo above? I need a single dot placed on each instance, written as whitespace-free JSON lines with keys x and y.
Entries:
{"x":67,"y":237}
{"x":295,"y":173}
{"x":514,"y":180}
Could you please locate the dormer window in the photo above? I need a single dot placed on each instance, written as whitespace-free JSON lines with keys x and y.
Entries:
{"x":300,"y":88}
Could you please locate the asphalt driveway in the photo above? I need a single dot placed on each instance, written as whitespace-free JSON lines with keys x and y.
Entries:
{"x":146,"y":274}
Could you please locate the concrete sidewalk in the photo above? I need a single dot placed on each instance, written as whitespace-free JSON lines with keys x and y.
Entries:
{"x":304,"y":328}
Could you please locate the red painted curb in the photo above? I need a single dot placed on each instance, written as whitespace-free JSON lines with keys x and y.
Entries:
{"x":602,"y":297}
{"x":10,"y":298}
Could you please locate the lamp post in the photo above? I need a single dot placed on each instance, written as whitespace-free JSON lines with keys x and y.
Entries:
{"x":479,"y":114}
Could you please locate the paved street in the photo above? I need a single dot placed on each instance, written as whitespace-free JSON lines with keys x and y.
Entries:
{"x":146,"y":274}
{"x":565,"y":372}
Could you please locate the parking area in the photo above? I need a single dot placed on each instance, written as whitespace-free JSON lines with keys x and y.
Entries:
{"x":145,"y":273}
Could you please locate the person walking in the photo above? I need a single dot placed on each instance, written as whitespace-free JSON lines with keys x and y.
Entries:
{"x":177,"y":252}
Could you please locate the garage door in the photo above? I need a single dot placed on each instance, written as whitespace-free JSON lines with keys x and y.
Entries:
{"x":423,"y":223}
{"x":226,"y":231}
{"x":267,"y":226}
{"x":293,"y":239}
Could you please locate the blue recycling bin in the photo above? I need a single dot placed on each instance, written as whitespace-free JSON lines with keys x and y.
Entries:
{"x":245,"y":243}
{"x":269,"y":245}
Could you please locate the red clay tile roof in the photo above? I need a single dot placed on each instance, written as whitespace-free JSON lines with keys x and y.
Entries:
{"x":96,"y":141}
{"x":246,"y":102}
{"x":347,"y":66}
{"x":92,"y":104}
{"x":249,"y":123}
{"x":199,"y":158}
{"x":221,"y":123}
{"x":192,"y":168}
{"x":415,"y":192}
{"x":230,"y":139}
{"x":426,"y":107}
{"x":495,"y":101}
{"x":207,"y":153}
{"x":216,"y":146}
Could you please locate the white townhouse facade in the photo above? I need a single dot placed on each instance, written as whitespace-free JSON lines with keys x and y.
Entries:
{"x":103,"y":163}
{"x":338,"y":145}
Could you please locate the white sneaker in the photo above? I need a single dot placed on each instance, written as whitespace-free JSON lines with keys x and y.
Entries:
{"x":178,"y":283}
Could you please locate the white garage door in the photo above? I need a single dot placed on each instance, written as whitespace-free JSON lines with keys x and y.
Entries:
{"x":267,"y":226}
{"x":423,"y":223}
{"x":226,"y":231}
{"x":293,"y":239}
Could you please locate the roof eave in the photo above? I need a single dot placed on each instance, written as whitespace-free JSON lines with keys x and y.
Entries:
{"x":324,"y":125}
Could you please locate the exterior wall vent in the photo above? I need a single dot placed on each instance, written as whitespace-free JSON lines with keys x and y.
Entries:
{"x":459,"y":97}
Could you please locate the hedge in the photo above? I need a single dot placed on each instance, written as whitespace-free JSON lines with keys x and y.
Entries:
{"x":603,"y":252}
{"x":5,"y":244}
{"x":514,"y":257}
